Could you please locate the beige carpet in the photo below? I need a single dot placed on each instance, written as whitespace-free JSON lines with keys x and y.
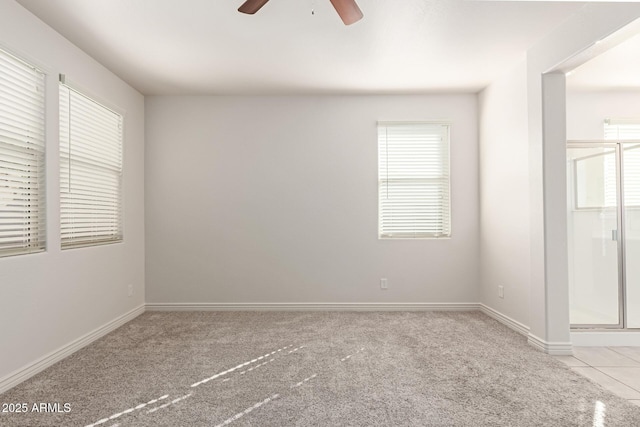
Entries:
{"x":314,"y":369}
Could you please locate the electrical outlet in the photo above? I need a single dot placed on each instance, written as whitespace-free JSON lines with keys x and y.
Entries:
{"x":130,"y":290}
{"x":384,"y":284}
{"x":501,"y":291}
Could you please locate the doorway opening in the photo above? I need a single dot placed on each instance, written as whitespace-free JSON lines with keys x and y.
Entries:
{"x":603,"y":225}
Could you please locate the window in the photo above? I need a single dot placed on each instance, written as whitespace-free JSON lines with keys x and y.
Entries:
{"x":90,"y":171}
{"x":621,"y":129}
{"x":22,"y":194}
{"x":625,"y":130}
{"x":413,"y":180}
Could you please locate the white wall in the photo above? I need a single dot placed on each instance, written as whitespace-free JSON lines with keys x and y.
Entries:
{"x":50,"y":299}
{"x":504,"y":195}
{"x":587,"y":110}
{"x":274,"y":200}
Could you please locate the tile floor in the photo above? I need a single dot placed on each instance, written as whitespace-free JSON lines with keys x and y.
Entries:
{"x":614,"y":368}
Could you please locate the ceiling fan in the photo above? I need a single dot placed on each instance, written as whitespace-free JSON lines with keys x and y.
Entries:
{"x":347,"y":9}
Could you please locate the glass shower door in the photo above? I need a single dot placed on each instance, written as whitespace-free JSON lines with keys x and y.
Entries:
{"x":595,"y":291}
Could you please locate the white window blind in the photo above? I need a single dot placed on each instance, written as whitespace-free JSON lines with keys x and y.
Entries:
{"x":621,"y":129}
{"x":22,"y":194}
{"x":625,"y":130}
{"x":90,"y":171}
{"x":413,"y":180}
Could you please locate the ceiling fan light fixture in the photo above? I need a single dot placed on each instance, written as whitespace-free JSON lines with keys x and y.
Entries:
{"x":348,"y":10}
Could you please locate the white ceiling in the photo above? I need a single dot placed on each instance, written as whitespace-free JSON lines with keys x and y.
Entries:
{"x":616,"y":69}
{"x":207,"y":47}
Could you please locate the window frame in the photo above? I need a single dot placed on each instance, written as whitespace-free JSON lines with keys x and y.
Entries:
{"x":33,"y":140}
{"x":97,"y":239}
{"x":446,"y":233}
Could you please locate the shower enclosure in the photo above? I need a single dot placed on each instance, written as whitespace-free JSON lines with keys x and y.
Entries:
{"x":603,"y":223}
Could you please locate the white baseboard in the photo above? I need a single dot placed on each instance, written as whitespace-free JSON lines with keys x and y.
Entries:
{"x":505,"y":320}
{"x":612,"y":338}
{"x":552,"y":348}
{"x":26,"y":372}
{"x":464,"y":306}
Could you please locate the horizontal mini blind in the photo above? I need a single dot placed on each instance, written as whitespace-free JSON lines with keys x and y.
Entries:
{"x":621,"y":129}
{"x":632,"y":175}
{"x":90,"y":171}
{"x":22,"y":193}
{"x":624,"y":130}
{"x":413,"y":180}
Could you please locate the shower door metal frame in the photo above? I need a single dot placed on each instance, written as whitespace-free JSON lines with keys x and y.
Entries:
{"x":620,"y":237}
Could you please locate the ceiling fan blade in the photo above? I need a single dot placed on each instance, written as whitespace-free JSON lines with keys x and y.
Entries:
{"x":348,"y":10}
{"x":252,"y":6}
